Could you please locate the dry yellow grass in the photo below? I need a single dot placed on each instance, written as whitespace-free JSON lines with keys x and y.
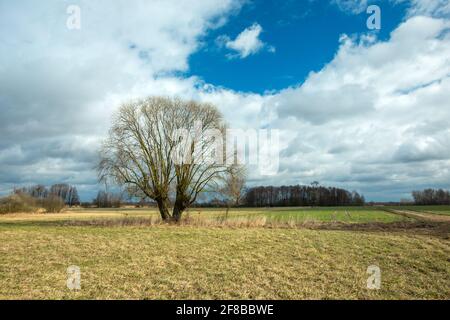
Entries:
{"x":185,"y":262}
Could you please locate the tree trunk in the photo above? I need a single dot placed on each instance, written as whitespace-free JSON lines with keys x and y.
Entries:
{"x":226,"y":212}
{"x":163,"y":210}
{"x":178,"y":209}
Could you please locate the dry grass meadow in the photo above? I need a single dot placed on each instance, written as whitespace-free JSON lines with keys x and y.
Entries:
{"x":292,"y":253}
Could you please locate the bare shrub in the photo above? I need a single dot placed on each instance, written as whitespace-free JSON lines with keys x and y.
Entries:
{"x":52,"y":204}
{"x":22,"y":202}
{"x":17,"y":203}
{"x":116,"y":222}
{"x":107,"y":199}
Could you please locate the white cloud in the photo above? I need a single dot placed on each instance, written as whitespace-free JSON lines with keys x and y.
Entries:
{"x":246,"y":43}
{"x":373,"y":118}
{"x":435,"y":8}
{"x":58,"y":87}
{"x":351,"y":6}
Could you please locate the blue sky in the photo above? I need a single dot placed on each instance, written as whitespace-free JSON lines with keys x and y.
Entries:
{"x":304,"y":33}
{"x":358,"y":109}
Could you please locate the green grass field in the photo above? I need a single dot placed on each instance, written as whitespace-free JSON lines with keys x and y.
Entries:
{"x":340,"y":214}
{"x":349,"y":215}
{"x":190,"y":262}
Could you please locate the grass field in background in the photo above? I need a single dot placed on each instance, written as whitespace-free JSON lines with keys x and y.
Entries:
{"x":340,"y":214}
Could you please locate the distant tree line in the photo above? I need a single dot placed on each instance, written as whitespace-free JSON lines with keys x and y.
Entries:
{"x":314,"y":195}
{"x":431,"y":197}
{"x":39,"y":197}
{"x":67,"y":193}
{"x":106,"y":199}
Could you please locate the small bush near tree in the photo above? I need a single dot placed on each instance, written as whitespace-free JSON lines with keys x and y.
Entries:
{"x":52,"y":204}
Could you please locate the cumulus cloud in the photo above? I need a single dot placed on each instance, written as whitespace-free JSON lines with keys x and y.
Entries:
{"x":58,"y":87}
{"x":351,"y":6}
{"x":436,"y":8}
{"x":246,"y":43}
{"x":374,"y":116}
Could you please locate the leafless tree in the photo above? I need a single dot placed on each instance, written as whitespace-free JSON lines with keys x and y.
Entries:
{"x":431,"y":197}
{"x":150,"y":153}
{"x":107,"y":199}
{"x":68,"y":193}
{"x":232,"y":185}
{"x":38,"y":191}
